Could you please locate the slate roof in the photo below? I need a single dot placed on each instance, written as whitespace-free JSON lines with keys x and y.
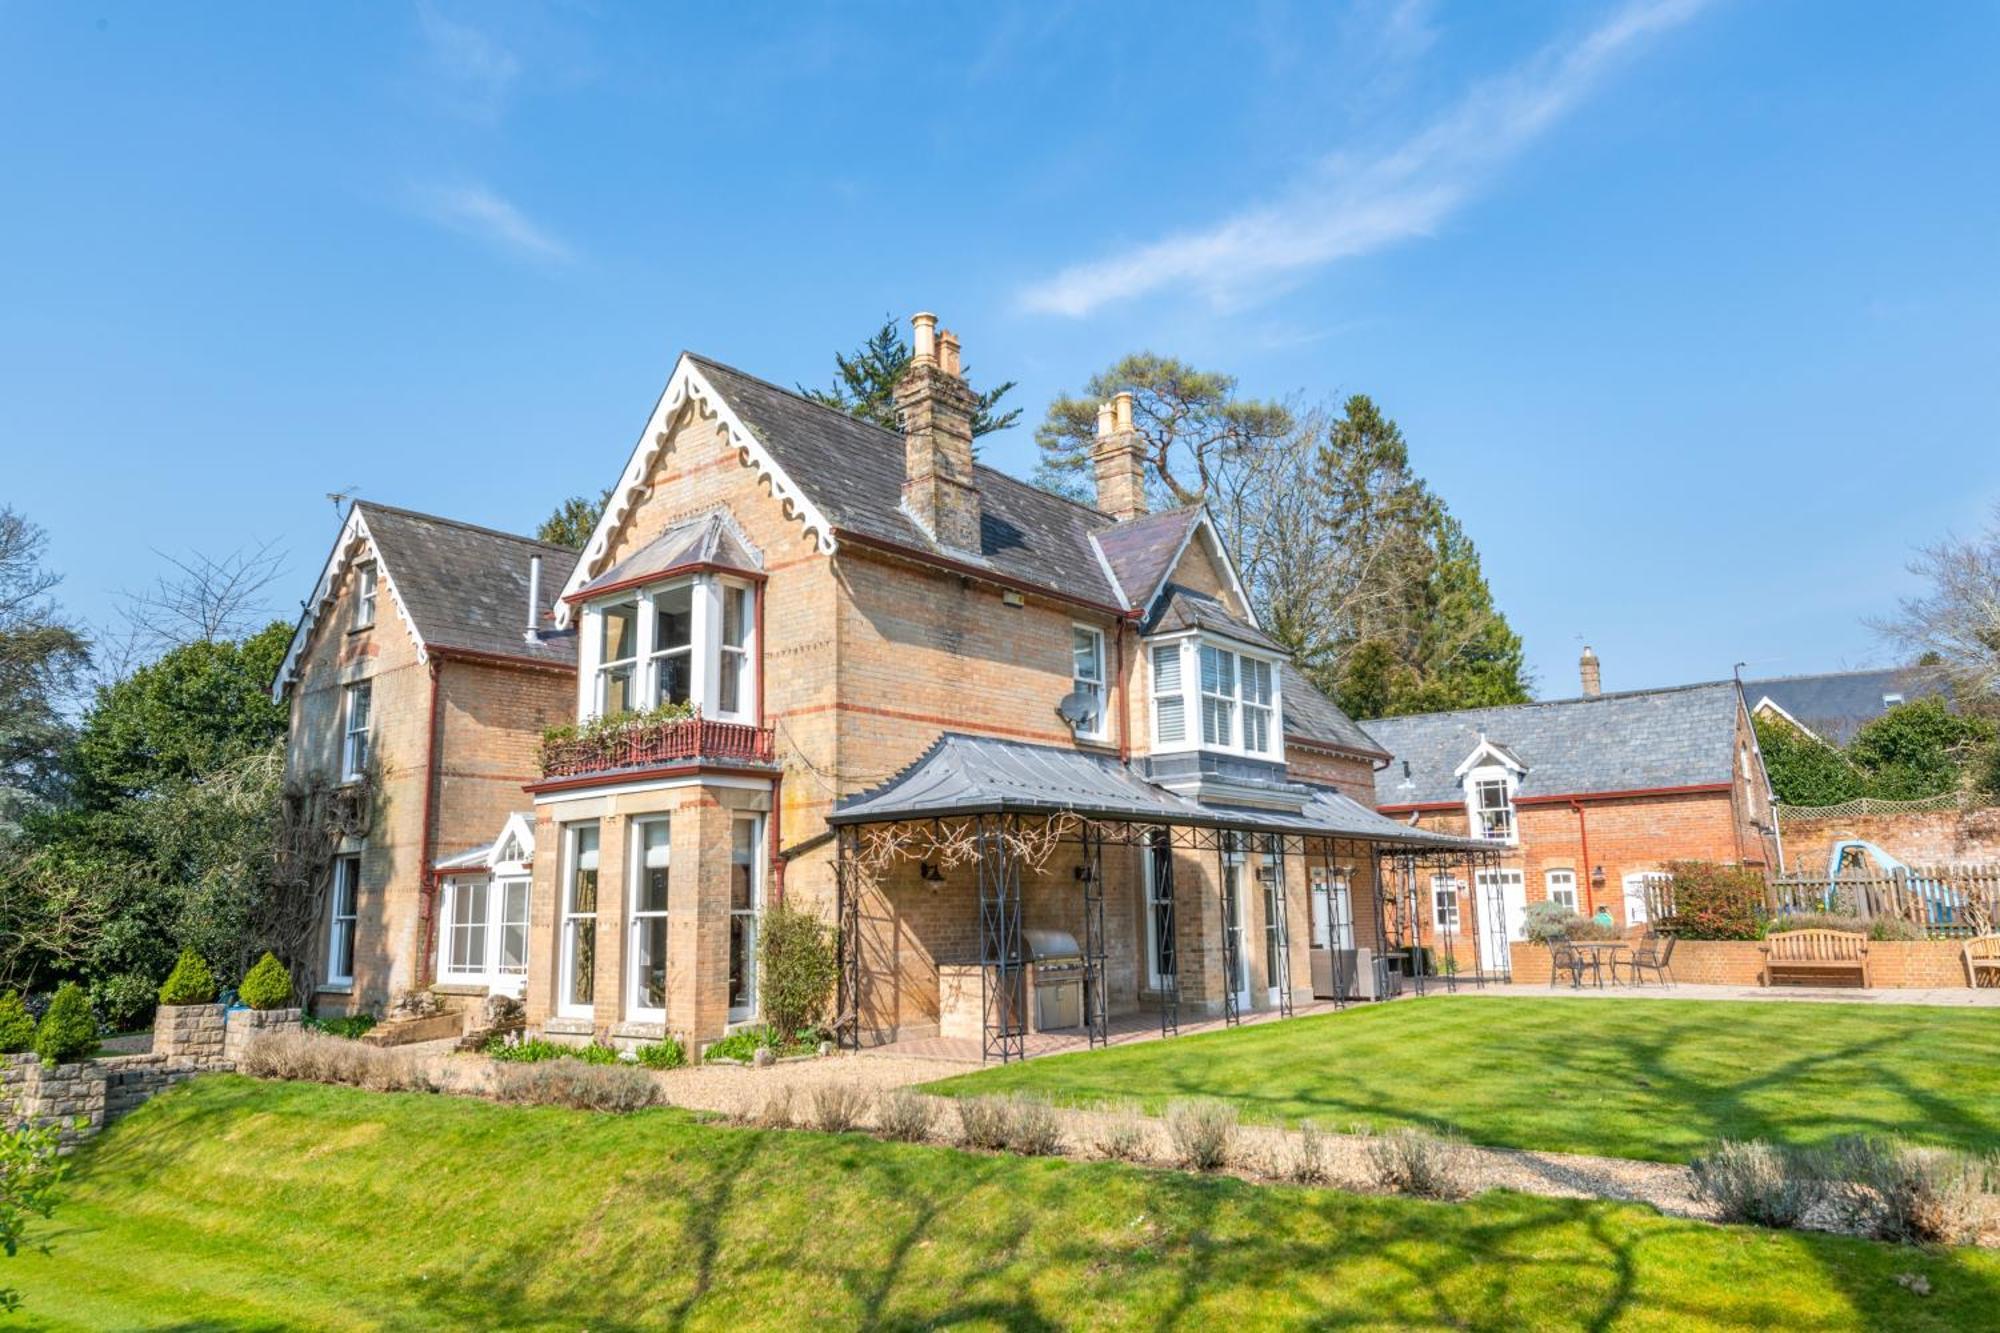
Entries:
{"x":1641,"y":739}
{"x":466,"y":586}
{"x":1185,"y":609}
{"x":853,"y":471}
{"x":708,"y":541}
{"x":1141,"y":551}
{"x":962,"y":774}
{"x":1836,"y":704}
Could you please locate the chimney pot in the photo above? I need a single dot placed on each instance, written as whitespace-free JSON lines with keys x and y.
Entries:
{"x":1587,"y":667}
{"x":1121,"y":408}
{"x":924,"y":325}
{"x":948,"y":352}
{"x":1104,"y":420}
{"x":534,"y":632}
{"x":937,"y":408}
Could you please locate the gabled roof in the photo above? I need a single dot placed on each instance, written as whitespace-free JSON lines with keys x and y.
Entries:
{"x":841,"y":477}
{"x":1641,"y":740}
{"x":519,"y":827}
{"x":1181,"y":608}
{"x":1833,"y":705}
{"x":962,"y":774}
{"x":456,"y":586}
{"x":709,"y":542}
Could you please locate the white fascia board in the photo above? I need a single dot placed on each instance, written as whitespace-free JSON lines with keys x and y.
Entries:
{"x":354,"y":541}
{"x":686,"y":384}
{"x":1487,"y":755}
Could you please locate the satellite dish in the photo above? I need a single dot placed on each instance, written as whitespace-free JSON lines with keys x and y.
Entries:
{"x":1076,"y":708}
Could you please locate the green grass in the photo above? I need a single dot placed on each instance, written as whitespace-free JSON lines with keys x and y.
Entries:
{"x":1652,"y":1079}
{"x":230,"y":1204}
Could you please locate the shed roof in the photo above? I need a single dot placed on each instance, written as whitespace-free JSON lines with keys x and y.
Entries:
{"x":962,"y":774}
{"x":1631,"y":741}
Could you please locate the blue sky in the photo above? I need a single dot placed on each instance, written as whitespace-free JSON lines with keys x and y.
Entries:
{"x":1690,"y":310}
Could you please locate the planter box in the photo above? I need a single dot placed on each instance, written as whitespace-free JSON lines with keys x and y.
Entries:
{"x":192,"y":1032}
{"x":245,"y":1025}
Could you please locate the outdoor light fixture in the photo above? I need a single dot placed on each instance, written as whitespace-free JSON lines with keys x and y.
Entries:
{"x":930,"y":873}
{"x":1597,"y":877}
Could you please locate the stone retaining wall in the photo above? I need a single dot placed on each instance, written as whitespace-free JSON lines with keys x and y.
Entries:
{"x":189,"y":1032}
{"x":247,"y":1024}
{"x":1892,"y":964}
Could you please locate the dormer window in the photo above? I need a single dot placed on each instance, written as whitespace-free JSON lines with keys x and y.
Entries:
{"x":686,"y":641}
{"x":1234,"y":697}
{"x":1493,"y":809}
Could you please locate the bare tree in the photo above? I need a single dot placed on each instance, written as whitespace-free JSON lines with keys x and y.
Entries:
{"x":201,"y":599}
{"x":41,"y":659}
{"x":1955,"y":621}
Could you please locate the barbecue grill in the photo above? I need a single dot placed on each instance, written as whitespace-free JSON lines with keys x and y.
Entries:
{"x":1056,"y":971}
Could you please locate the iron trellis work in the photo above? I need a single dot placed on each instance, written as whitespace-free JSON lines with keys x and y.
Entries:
{"x":1160,"y":852}
{"x":1096,"y":1004}
{"x":1003,"y":1003}
{"x":1278,"y":923}
{"x":847,"y":1027}
{"x":1230,"y":888}
{"x":1332,"y":878}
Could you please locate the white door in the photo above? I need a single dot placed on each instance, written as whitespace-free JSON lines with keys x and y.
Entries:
{"x":1232,"y":922}
{"x":1503,"y":913}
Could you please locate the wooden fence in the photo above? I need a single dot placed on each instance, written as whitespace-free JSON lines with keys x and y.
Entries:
{"x":1948,"y":902}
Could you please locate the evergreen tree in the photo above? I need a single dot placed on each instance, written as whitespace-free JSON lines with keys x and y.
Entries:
{"x":864,"y":384}
{"x":573,"y":521}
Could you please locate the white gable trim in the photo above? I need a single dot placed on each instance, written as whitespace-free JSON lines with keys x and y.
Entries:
{"x":519,"y":826}
{"x":1203,"y":524}
{"x":1487,"y":754}
{"x":354,"y":542}
{"x":686,"y":385}
{"x":1110,"y":575}
{"x":1771,"y":708}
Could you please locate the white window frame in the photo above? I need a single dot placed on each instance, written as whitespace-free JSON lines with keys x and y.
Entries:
{"x":705,"y":652}
{"x":603,"y":667}
{"x":1098,"y":686}
{"x":1446,"y":892}
{"x":1186,"y":651}
{"x":751,"y":917}
{"x":1332,"y":907}
{"x":570,"y":920}
{"x":1490,"y":775}
{"x":1234,"y":918}
{"x":366,"y":586}
{"x":1173,"y":692}
{"x":1561,"y":880}
{"x":1219,"y":700}
{"x":355,"y":739}
{"x":494,"y":972}
{"x":343,"y":914}
{"x":458,"y":924}
{"x":636,"y":1007}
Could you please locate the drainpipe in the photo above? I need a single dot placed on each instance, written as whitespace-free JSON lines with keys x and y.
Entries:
{"x":1583,"y":833}
{"x":427,"y":883}
{"x":1124,"y":697}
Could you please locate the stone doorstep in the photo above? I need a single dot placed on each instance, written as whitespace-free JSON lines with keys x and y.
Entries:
{"x":406,"y":1031}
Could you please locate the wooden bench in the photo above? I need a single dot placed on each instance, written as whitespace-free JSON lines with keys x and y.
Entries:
{"x":1814,"y":954}
{"x":1982,"y":961}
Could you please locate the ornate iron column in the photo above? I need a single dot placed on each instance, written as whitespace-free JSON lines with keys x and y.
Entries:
{"x":1002,"y":972}
{"x":1160,"y":848}
{"x":848,"y":909}
{"x":1231,"y":1014}
{"x":1096,"y":1008}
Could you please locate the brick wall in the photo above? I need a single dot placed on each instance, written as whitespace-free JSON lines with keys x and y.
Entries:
{"x":1918,"y":838}
{"x":1892,"y":964}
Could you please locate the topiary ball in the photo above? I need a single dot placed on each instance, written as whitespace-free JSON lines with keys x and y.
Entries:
{"x":267,"y":985}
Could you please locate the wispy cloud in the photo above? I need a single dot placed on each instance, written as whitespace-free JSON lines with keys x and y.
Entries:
{"x":473,"y":72}
{"x":1350,"y":204}
{"x":473,"y":210}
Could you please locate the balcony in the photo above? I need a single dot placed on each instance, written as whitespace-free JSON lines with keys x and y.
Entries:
{"x":601,"y":749}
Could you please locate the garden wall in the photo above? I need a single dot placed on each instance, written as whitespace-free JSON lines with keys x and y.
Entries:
{"x":1915,"y":837}
{"x":1892,"y":964}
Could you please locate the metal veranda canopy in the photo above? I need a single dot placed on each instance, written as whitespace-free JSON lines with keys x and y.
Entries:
{"x":989,"y":789}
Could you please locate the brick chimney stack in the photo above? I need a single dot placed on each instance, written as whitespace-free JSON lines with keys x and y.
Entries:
{"x":1587,"y":667}
{"x":937,"y":407}
{"x":1120,"y":461}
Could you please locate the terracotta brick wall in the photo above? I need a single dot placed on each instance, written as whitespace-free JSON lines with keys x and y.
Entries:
{"x":1893,"y":964}
{"x":1920,"y":838}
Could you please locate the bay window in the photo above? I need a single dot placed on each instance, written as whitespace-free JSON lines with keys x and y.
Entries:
{"x":1087,"y":677}
{"x":1235,"y":696}
{"x":687,"y":641}
{"x":485,"y":936}
{"x":746,"y":904}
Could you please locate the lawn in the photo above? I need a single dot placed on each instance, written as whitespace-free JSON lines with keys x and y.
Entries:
{"x":232,"y":1204}
{"x":1653,"y":1079}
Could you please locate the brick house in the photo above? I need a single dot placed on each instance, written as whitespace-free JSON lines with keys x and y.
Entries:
{"x":410,"y":665}
{"x":792,"y":632}
{"x":1586,"y":800}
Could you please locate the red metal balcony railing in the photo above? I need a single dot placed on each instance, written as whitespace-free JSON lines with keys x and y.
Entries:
{"x":654,"y":745}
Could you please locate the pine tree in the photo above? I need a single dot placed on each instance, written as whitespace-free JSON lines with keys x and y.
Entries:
{"x":864,"y":384}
